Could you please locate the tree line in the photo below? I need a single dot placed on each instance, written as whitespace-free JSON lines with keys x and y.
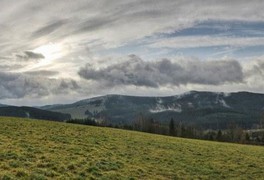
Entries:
{"x":234,"y":133}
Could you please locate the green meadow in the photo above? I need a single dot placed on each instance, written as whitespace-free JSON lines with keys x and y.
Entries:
{"x":34,"y":149}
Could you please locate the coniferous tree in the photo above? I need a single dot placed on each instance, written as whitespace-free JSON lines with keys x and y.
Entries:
{"x":171,"y":128}
{"x":219,"y":135}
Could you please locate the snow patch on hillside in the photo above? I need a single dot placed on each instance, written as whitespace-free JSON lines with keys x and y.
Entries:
{"x":221,"y":101}
{"x":226,"y":94}
{"x":161,"y":108}
{"x":159,"y":100}
{"x":27,"y":115}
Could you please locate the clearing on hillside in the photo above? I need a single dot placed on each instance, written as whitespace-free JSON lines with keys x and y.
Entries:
{"x":33,"y":149}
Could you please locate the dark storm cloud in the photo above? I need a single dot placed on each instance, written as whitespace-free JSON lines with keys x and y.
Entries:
{"x":27,"y":55}
{"x":135,"y":71}
{"x":17,"y":85}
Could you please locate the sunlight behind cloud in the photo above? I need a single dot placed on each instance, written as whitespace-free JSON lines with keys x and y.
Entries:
{"x":50,"y":51}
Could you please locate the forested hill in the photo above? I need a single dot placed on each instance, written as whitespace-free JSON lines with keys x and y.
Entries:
{"x":206,"y":109}
{"x":29,"y":112}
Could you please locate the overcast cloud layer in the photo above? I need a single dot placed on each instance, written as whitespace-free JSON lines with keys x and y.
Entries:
{"x":52,"y":49}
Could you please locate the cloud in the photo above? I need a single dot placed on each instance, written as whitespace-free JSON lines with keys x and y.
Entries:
{"x":47,"y":29}
{"x":135,"y":71}
{"x":207,"y":41}
{"x":46,"y":73}
{"x":256,"y":68}
{"x":28,"y":55}
{"x":17,"y":85}
{"x":113,"y":24}
{"x":124,"y":26}
{"x":79,"y":24}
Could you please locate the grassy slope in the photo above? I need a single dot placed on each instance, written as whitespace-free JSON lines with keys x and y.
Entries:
{"x":41,"y":149}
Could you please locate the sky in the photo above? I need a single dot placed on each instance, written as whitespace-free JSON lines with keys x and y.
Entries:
{"x":61,"y":51}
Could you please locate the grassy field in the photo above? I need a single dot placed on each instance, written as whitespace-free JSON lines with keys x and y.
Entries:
{"x":32,"y":149}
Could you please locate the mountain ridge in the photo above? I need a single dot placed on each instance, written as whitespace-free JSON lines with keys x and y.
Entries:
{"x":203,"y":108}
{"x":31,"y":112}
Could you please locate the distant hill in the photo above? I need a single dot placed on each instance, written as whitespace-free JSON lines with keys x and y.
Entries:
{"x":3,"y":105}
{"x":29,"y":112}
{"x":205,"y":109}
